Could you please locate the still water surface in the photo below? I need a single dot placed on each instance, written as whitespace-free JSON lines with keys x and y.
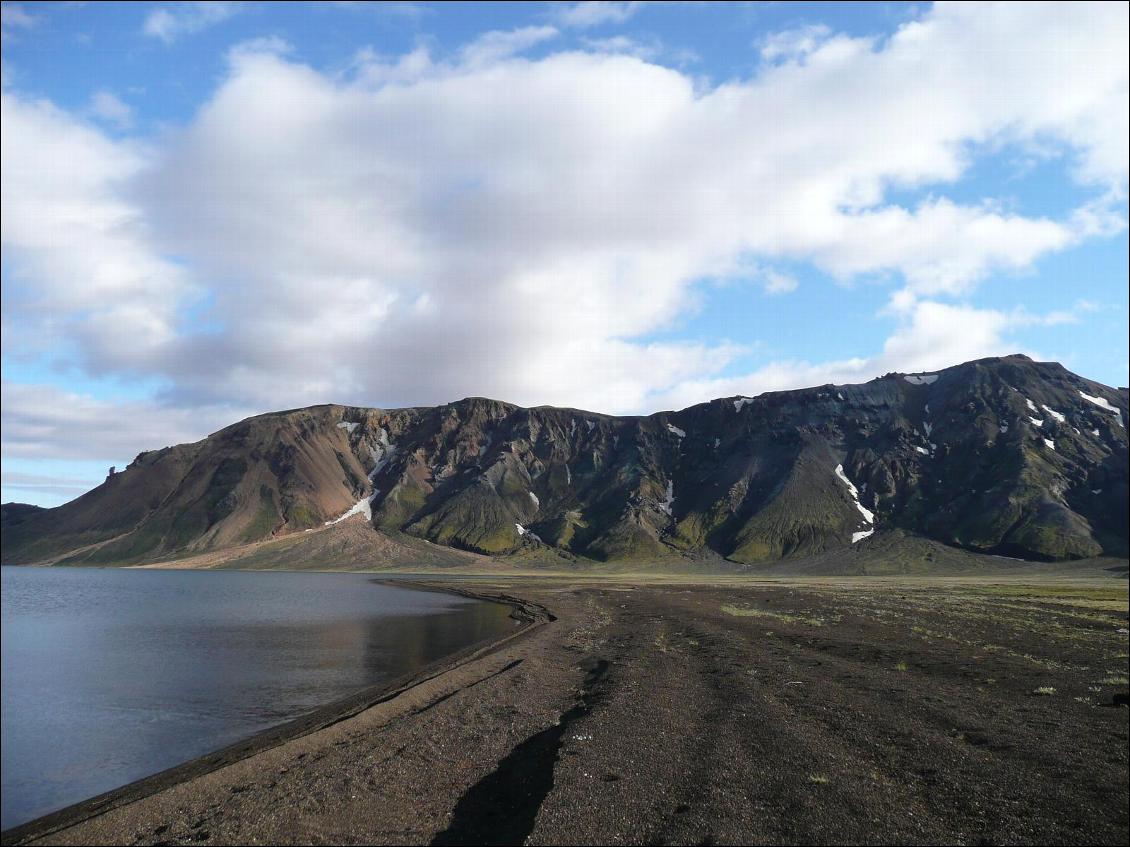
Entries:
{"x":112,"y":675}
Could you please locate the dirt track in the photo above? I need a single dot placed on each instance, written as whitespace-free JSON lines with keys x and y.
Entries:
{"x":847,"y":712}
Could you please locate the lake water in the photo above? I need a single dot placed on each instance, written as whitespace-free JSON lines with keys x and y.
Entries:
{"x":112,"y":675}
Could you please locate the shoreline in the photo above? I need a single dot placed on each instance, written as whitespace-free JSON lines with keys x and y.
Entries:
{"x":799,"y":712}
{"x":528,"y":616}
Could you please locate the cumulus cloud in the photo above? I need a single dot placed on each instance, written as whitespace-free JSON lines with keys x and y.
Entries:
{"x":595,"y":13}
{"x":79,"y":264}
{"x":424,"y":229}
{"x":168,"y":23}
{"x":940,"y":247}
{"x":794,"y":44}
{"x":107,"y":106}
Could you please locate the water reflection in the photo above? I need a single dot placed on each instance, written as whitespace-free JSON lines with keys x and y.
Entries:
{"x":111,"y":675}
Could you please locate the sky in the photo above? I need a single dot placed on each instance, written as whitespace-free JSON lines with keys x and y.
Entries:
{"x":213,"y":210}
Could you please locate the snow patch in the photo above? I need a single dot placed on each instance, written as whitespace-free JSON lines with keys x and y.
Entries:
{"x":1095,"y":433}
{"x":591,"y":425}
{"x":928,"y":427}
{"x":859,"y":536}
{"x":674,"y":430}
{"x":1057,"y":415}
{"x":665,"y":506}
{"x":717,"y":441}
{"x":1104,"y":404}
{"x":1050,"y":443}
{"x":381,"y":453}
{"x":1031,"y":405}
{"x":742,"y":401}
{"x":1004,"y":427}
{"x":923,"y":451}
{"x":863,"y":510}
{"x":1096,"y":491}
{"x":361,"y":507}
{"x":921,"y":379}
{"x":537,"y":502}
{"x":523,"y":531}
{"x":1036,"y":421}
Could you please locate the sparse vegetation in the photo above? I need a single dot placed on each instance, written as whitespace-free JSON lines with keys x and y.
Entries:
{"x":747,"y":612}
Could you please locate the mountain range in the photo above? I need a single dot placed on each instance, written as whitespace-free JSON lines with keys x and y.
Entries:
{"x":1006,"y":456}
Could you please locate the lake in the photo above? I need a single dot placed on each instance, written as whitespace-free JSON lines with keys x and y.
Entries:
{"x":112,"y":675}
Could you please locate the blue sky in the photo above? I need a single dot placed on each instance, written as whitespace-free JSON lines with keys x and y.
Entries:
{"x":217,"y":209}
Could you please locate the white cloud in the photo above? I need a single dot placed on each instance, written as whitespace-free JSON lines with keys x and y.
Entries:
{"x":1073,"y":315}
{"x":930,"y":335}
{"x":779,"y":283}
{"x":273,"y":45}
{"x":79,"y":264}
{"x":746,"y":268}
{"x":647,"y":47}
{"x":108,"y":107}
{"x":43,"y":422}
{"x":168,"y":23}
{"x":594,"y":13}
{"x":497,"y":45}
{"x":428,"y":229}
{"x":384,"y":7}
{"x":623,"y":44}
{"x":937,"y":335}
{"x":939,"y":247}
{"x":794,"y":44}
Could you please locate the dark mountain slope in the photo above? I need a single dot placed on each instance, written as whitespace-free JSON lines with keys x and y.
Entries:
{"x":1004,"y":455}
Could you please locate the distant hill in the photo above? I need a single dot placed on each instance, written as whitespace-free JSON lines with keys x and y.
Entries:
{"x":1005,"y":456}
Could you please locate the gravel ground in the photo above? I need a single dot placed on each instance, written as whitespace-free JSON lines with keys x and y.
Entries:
{"x":833,"y":711}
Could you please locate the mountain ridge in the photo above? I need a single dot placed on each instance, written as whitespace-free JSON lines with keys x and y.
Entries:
{"x":1002,"y":455}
